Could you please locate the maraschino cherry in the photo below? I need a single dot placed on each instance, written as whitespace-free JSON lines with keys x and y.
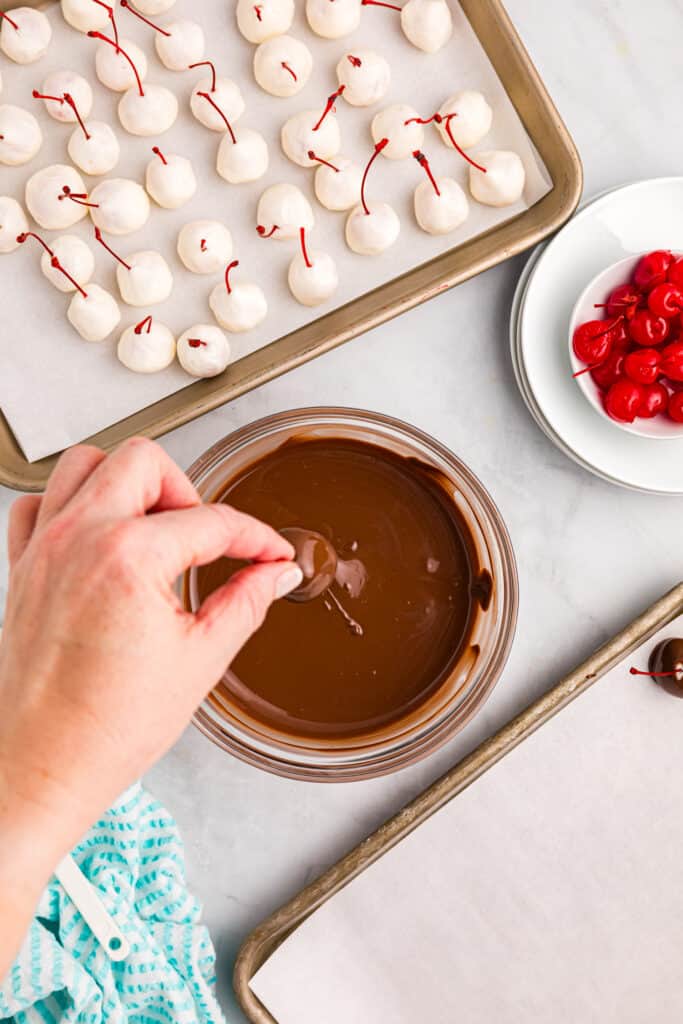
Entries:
{"x":654,"y":401}
{"x":645,"y":328}
{"x":672,"y":361}
{"x":623,"y":400}
{"x":652,"y":269}
{"x":666,"y":300}
{"x":675,"y":407}
{"x":593,"y":341}
{"x":609,"y":371}
{"x":643,"y":365}
{"x":623,"y":299}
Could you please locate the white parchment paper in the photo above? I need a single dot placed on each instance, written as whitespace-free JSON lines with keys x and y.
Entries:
{"x":550,"y":890}
{"x":56,"y":389}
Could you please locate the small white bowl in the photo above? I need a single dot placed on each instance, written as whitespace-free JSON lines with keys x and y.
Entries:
{"x":597,"y":291}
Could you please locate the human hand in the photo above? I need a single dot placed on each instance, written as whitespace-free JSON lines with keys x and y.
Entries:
{"x":101,"y":667}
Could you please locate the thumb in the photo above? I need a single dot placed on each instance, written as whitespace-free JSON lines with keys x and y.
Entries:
{"x":234,"y":612}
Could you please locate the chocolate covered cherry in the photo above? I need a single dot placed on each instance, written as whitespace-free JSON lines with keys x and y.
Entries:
{"x":666,"y":666}
{"x":317,"y":560}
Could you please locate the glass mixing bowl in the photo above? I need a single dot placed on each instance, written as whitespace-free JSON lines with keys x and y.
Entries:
{"x":472,"y":678}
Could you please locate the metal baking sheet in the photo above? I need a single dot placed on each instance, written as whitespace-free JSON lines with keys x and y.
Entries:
{"x":547,"y":132}
{"x":263,"y":941}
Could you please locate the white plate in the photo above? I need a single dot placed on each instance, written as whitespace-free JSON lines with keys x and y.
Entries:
{"x":628,"y":220}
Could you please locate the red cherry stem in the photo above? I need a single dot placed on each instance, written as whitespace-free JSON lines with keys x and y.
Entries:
{"x":206,"y":64}
{"x":424,"y":164}
{"x":620,"y":304}
{"x":120,"y":49}
{"x":379,"y":3}
{"x":331,"y":100}
{"x":8,"y":19}
{"x":587,"y":369}
{"x":312,"y":156}
{"x":258,"y":8}
{"x":205,"y":96}
{"x":267,"y":234}
{"x":72,"y":103}
{"x":292,"y":72}
{"x":157,"y":152}
{"x":147,"y":322}
{"x":304,"y":250}
{"x":157,"y":28}
{"x":379,"y":146}
{"x":230,"y":266}
{"x":119,"y":259}
{"x":54,"y":262}
{"x":80,"y":198}
{"x":656,"y":675}
{"x":43,"y":96}
{"x":356,"y":61}
{"x":446,"y":121}
{"x":25,"y":235}
{"x":112,"y":18}
{"x":202,"y":245}
{"x":195,"y":342}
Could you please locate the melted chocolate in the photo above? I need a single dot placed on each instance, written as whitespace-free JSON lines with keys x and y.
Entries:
{"x":394,"y":622}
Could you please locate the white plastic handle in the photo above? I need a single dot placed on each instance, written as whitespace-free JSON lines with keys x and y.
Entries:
{"x":85,"y":897}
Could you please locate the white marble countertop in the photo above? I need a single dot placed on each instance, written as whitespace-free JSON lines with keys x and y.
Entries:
{"x":590,"y":555}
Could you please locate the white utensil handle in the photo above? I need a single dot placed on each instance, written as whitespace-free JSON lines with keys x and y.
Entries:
{"x":85,"y":898}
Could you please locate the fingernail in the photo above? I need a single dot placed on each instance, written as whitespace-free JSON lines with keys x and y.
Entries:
{"x":291,"y":578}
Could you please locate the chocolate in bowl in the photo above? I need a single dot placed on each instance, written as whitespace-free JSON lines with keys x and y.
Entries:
{"x":407,"y":643}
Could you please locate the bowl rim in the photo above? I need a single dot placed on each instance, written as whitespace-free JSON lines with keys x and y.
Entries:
{"x":585,"y":382}
{"x":288,"y":763}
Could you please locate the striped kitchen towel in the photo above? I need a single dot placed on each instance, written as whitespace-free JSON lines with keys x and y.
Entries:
{"x":134,"y":858}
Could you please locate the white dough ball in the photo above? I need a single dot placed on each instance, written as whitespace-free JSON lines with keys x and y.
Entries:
{"x":97,"y":154}
{"x":30,"y":39}
{"x":205,"y":246}
{"x":170,"y":181}
{"x":94,"y":315}
{"x":472,"y":121}
{"x":370,"y":234}
{"x":333,"y":19}
{"x":439,"y":214}
{"x":147,"y":282}
{"x":226,"y":96}
{"x":122,"y":206}
{"x":315,"y":284}
{"x":298,"y":137}
{"x":75,"y":256}
{"x":404,"y":138}
{"x":45,"y":198}
{"x":147,"y":347}
{"x":60,"y":82}
{"x":427,"y":24}
{"x":20,"y":135}
{"x":151,"y":7}
{"x":150,"y":114}
{"x":114,"y":71}
{"x":340,"y":189}
{"x":287,"y":207}
{"x":184,"y":45}
{"x":243,"y":160}
{"x":240,"y":309}
{"x":85,"y":15}
{"x":366,"y":77}
{"x":13,"y":222}
{"x":282,"y":65}
{"x":259,"y":20}
{"x":203,"y":351}
{"x":503,"y":182}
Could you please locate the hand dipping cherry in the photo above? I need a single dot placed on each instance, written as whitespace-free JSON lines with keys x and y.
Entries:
{"x":317,"y":560}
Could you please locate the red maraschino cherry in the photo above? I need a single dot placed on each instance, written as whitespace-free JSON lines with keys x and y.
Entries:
{"x":609,"y":371}
{"x":666,"y":300}
{"x":648,"y":329}
{"x":593,"y":341}
{"x":651,"y":270}
{"x":672,"y":361}
{"x":623,"y":400}
{"x":642,"y":366}
{"x":622,"y":301}
{"x":675,"y":407}
{"x":654,"y":401}
{"x":675,"y":272}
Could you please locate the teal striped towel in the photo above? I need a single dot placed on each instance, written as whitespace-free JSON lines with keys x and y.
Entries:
{"x":134,"y":858}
